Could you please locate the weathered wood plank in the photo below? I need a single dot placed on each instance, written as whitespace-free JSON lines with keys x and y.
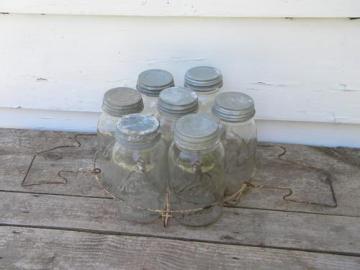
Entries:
{"x":29,"y":248}
{"x":21,"y":141}
{"x":238,"y":226}
{"x":48,"y":162}
{"x":301,"y":178}
{"x":301,"y":170}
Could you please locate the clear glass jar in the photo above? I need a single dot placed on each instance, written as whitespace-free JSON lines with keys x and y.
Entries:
{"x":150,"y":104}
{"x":196,"y":166}
{"x":150,"y":83}
{"x":116,"y":103}
{"x":206,"y":82}
{"x":137,"y":171}
{"x":174,"y":103}
{"x":236,"y":113}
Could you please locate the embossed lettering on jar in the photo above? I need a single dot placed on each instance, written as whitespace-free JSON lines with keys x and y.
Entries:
{"x":206,"y":82}
{"x":196,"y":165}
{"x":236,"y":112}
{"x":150,"y":83}
{"x":137,"y":172}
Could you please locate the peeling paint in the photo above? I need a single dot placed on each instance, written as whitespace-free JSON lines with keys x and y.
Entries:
{"x":344,"y":87}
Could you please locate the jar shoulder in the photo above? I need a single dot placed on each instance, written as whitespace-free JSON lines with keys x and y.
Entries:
{"x":106,"y":123}
{"x":246,"y":130}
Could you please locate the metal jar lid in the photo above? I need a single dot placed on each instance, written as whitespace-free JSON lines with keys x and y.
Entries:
{"x":151,"y":82}
{"x":203,"y":79}
{"x":177,"y":101}
{"x":137,"y":130}
{"x":233,"y":107}
{"x":121,"y":101}
{"x":196,"y":132}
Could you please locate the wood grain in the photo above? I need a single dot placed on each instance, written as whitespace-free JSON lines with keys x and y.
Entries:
{"x":74,"y":225}
{"x":48,"y":162}
{"x":301,"y":170}
{"x":326,"y":233}
{"x":30,"y":248}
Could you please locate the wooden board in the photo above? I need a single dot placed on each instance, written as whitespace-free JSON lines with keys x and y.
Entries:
{"x":294,"y":177}
{"x":30,"y":248}
{"x":48,"y":162}
{"x":303,"y":213}
{"x":264,"y":228}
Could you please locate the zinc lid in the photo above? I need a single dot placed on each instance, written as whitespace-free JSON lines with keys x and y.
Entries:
{"x":121,"y":101}
{"x":152,"y":81}
{"x":233,"y":107}
{"x":177,"y":101}
{"x":203,"y":79}
{"x":196,"y":131}
{"x":138,"y":130}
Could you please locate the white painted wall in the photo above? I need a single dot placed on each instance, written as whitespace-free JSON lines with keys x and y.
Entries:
{"x":203,"y":8}
{"x":302,"y":72}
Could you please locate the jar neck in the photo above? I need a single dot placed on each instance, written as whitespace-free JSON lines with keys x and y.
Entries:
{"x":149,"y":97}
{"x":169,"y":116}
{"x":239,"y":123}
{"x":134,"y":144}
{"x":208,"y":149}
{"x":207,"y":93}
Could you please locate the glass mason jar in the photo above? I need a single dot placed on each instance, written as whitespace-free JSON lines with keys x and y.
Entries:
{"x":150,"y":83}
{"x":136,"y":173}
{"x":206,"y":82}
{"x":196,"y":166}
{"x":117,"y":102}
{"x":174,"y":103}
{"x":236,"y":113}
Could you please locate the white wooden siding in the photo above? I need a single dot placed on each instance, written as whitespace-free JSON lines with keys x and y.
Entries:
{"x":205,"y":8}
{"x":300,"y":71}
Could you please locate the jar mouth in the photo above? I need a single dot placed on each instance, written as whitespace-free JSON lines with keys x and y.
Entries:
{"x":151,"y":82}
{"x":207,"y":89}
{"x":203,"y":79}
{"x":137,"y":130}
{"x":233,"y":107}
{"x":178,"y":101}
{"x":121,"y":101}
{"x":196,"y":131}
{"x":177,"y":113}
{"x":195,"y":147}
{"x":236,"y":117}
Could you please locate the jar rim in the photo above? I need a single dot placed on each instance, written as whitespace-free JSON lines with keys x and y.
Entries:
{"x":233,"y":107}
{"x":137,"y":130}
{"x":196,"y":131}
{"x":120,"y":101}
{"x":152,"y":81}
